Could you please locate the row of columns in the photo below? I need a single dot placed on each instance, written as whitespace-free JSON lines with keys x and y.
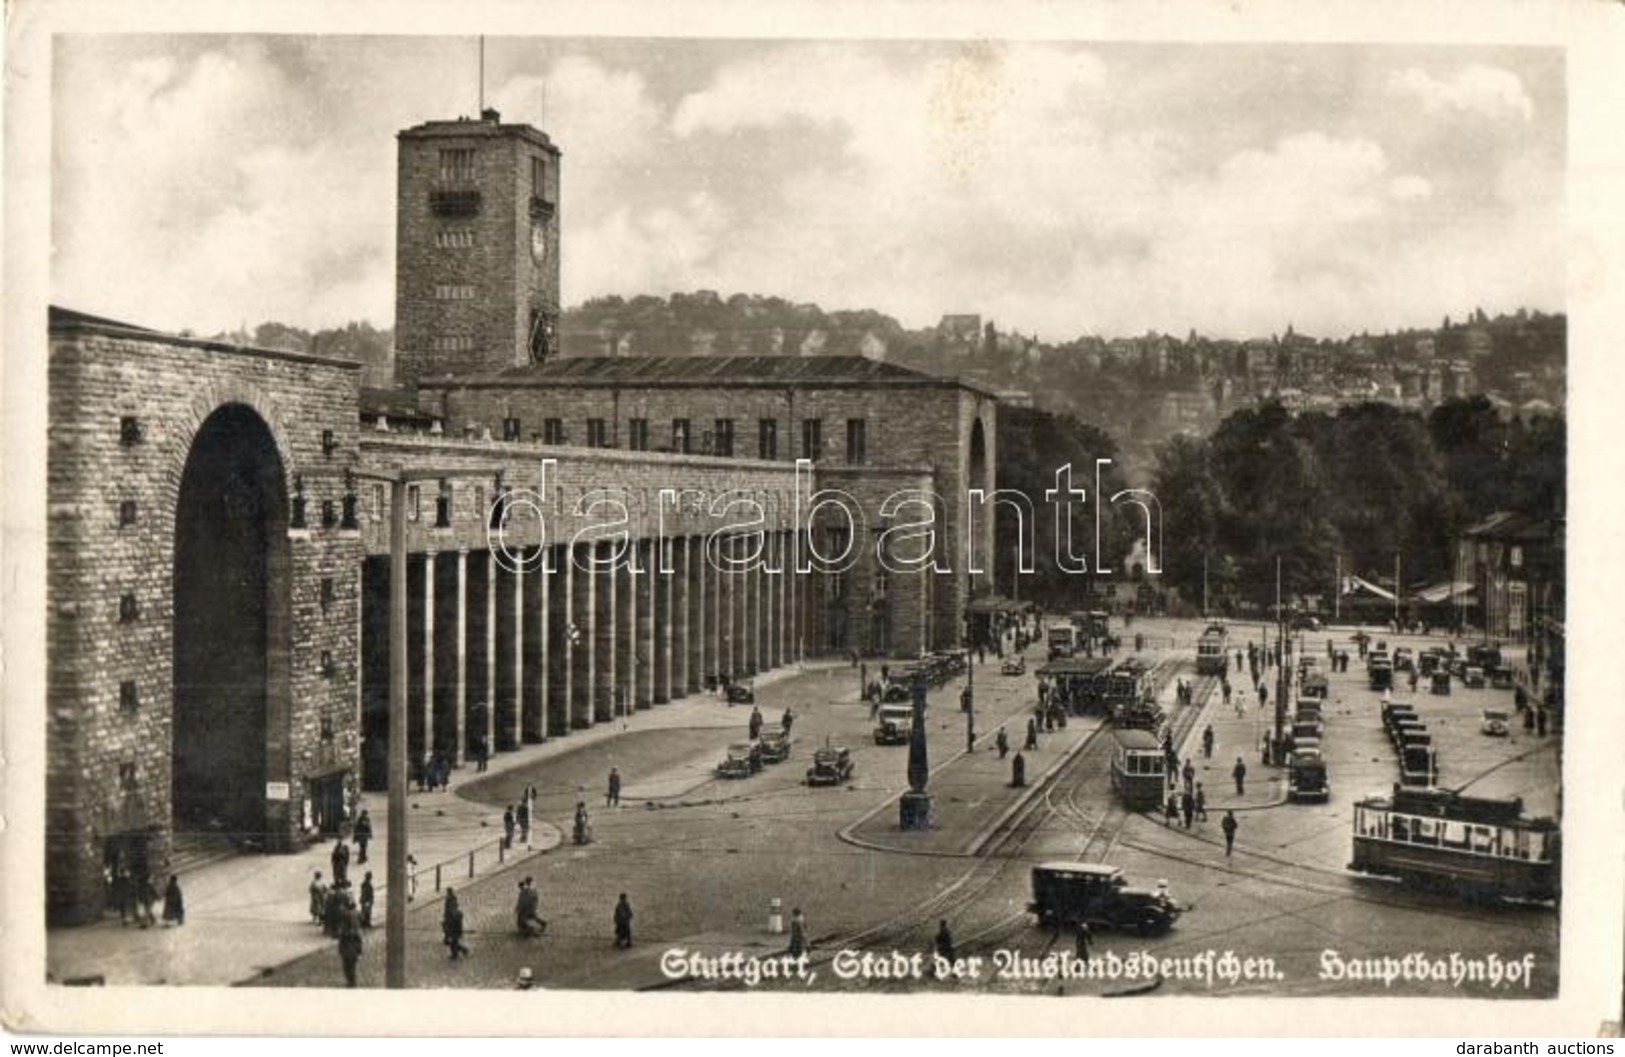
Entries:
{"x":510,"y":650}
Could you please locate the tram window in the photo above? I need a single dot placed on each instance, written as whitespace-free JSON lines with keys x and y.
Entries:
{"x":1544,"y":848}
{"x":1484,"y":842}
{"x":1424,"y":831}
{"x":1453,"y":835}
{"x":1401,"y":830}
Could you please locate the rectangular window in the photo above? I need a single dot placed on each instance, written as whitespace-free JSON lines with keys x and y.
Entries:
{"x":512,"y":429}
{"x":453,"y":292}
{"x":553,"y":431}
{"x":126,"y":513}
{"x":597,"y":433}
{"x":812,"y":439}
{"x":682,"y":439}
{"x":724,"y":437}
{"x":129,"y":610}
{"x":457,"y":165}
{"x":637,"y":434}
{"x":857,"y":441}
{"x":414,"y":496}
{"x":767,"y":438}
{"x":538,"y":177}
{"x":454,"y":239}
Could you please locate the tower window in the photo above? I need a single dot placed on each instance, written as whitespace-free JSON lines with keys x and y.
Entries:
{"x":512,"y":429}
{"x":129,"y":430}
{"x":767,"y":438}
{"x":453,"y":292}
{"x":414,"y":496}
{"x":681,"y":436}
{"x":538,"y":177}
{"x":724,"y":437}
{"x":553,"y":431}
{"x":597,"y":433}
{"x":457,"y":165}
{"x":129,"y":697}
{"x":812,"y":439}
{"x":637,"y":434}
{"x":126,"y":513}
{"x":857,"y":441}
{"x":454,"y":239}
{"x":129,"y":610}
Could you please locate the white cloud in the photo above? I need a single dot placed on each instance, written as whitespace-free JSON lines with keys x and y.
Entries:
{"x":1484,"y":91}
{"x":1409,"y":188}
{"x":603,"y":117}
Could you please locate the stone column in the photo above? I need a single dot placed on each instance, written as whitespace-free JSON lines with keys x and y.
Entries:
{"x":537,"y":724}
{"x":686,"y":674}
{"x":460,"y":703}
{"x":626,"y":625}
{"x":665,"y":590}
{"x":558,"y":643}
{"x":646,"y":593}
{"x":490,"y":651}
{"x":516,"y":732}
{"x":586,"y":651}
{"x":694,"y":572}
{"x":606,"y":676}
{"x":429,"y":744}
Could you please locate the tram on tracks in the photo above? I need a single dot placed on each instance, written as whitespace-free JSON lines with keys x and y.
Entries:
{"x":1130,"y":695}
{"x":1478,"y":847}
{"x":1213,"y":650}
{"x":1139,"y":769}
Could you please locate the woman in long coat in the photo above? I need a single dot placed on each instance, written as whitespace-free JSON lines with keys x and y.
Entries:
{"x":174,"y":904}
{"x":451,"y":925}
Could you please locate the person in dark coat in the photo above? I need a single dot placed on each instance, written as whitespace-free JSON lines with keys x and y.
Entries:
{"x":786,"y":720}
{"x":755,"y":724}
{"x":318,"y":899}
{"x":1187,"y":808}
{"x":623,"y":922}
{"x":1032,"y":734}
{"x":1002,"y":741}
{"x":1170,"y":810}
{"x":363,"y":837}
{"x":1207,"y":736}
{"x":1083,"y":939}
{"x":451,"y":926}
{"x":333,"y":911}
{"x":1239,"y":773}
{"x":368,"y":896}
{"x":350,"y":946}
{"x":1200,"y":802}
{"x":527,"y":910}
{"x":944,"y":941}
{"x":341,"y":861}
{"x":521,"y":816}
{"x":798,"y":933}
{"x":612,"y":794}
{"x":1018,"y":771}
{"x":174,"y":904}
{"x":1229,"y":826}
{"x":508,"y":824}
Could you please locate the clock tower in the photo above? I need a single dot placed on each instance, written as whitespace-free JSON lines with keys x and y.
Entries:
{"x":476,"y":248}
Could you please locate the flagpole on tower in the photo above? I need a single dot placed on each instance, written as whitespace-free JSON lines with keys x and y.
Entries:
{"x":482,"y":74}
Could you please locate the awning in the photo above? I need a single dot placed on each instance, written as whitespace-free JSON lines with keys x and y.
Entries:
{"x":995,"y":604}
{"x":1451,"y":591}
{"x":1354,"y":585}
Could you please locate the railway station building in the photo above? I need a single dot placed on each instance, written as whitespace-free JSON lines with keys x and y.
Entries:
{"x":584,"y":536}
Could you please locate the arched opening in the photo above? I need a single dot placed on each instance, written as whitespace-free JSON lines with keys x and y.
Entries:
{"x":231,"y":630}
{"x":979,"y":474}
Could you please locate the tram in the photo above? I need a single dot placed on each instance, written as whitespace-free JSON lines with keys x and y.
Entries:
{"x":1482,"y":848}
{"x":1129,"y":695}
{"x":1139,"y":769}
{"x":1213,"y":650}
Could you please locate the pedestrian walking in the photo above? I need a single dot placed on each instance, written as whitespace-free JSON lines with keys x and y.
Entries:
{"x":786,"y":720}
{"x":451,"y":926}
{"x":509,"y":823}
{"x":1170,"y":810}
{"x":333,"y":911}
{"x":755,"y":724}
{"x":482,"y":754}
{"x":174,"y":903}
{"x":1032,"y":734}
{"x":528,"y":910}
{"x":341,"y":861}
{"x":350,"y":948}
{"x":1189,"y":775}
{"x":318,"y":899}
{"x":1187,"y":808}
{"x":1229,"y":826}
{"x":798,"y":933}
{"x":1018,"y":771}
{"x":124,"y":894}
{"x":1002,"y":741}
{"x":623,"y":922}
{"x":1201,"y":803}
{"x":369,"y":896}
{"x":1263,"y":696}
{"x":521,"y":817}
{"x":146,"y":895}
{"x":1083,"y":939}
{"x":1239,"y":773}
{"x":1540,"y":721}
{"x":944,"y":940}
{"x":580,"y":831}
{"x":1207,"y":737}
{"x":612,"y":795}
{"x":363,"y":836}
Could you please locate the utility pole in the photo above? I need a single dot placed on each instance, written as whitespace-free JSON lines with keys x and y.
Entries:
{"x":1280,"y":674}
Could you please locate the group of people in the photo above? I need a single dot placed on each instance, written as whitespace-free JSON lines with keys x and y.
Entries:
{"x":331,"y":903}
{"x":434,"y":773}
{"x":135,"y":893}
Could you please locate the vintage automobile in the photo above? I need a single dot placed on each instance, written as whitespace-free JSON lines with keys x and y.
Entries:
{"x":894,"y":724}
{"x":1067,"y":892}
{"x":1502,"y":678}
{"x":775,"y":746}
{"x":1307,"y":709}
{"x":1306,"y":622}
{"x":1404,"y":660}
{"x":1473,"y":677}
{"x":1306,"y":776}
{"x":831,"y":765}
{"x":1380,"y":675}
{"x":1430,"y":660}
{"x":740,"y":693}
{"x":1016,"y":665}
{"x":1305,"y":727}
{"x":1378,"y":656}
{"x":742,"y":761}
{"x":1495,"y":723}
{"x":1314,"y":685}
{"x":1440,"y":682}
{"x":1486,"y":657}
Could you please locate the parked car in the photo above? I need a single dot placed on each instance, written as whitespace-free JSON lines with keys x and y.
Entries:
{"x":1306,"y":622}
{"x":894,"y":725}
{"x":1494,"y":722}
{"x":1473,"y":677}
{"x":831,"y":765}
{"x":742,"y":761}
{"x":1404,"y":660}
{"x":741,"y":694}
{"x":1440,"y":681}
{"x":1016,"y":665}
{"x":775,"y":746}
{"x":1306,"y":776}
{"x":1380,"y":675}
{"x":1502,"y":678}
{"x":1066,"y":892}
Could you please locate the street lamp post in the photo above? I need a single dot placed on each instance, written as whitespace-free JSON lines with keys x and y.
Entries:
{"x":970,"y":704}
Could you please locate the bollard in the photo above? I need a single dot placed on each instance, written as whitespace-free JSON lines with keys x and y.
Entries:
{"x":775,"y":916}
{"x":502,"y":850}
{"x":470,"y":864}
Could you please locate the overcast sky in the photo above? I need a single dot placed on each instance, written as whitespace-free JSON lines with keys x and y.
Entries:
{"x":203,"y":182}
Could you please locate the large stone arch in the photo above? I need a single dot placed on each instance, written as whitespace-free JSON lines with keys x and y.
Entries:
{"x":232,"y":621}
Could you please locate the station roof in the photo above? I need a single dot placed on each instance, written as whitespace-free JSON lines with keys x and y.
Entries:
{"x":592,"y":372}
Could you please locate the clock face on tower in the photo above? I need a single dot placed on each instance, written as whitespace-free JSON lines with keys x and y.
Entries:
{"x":538,"y":242}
